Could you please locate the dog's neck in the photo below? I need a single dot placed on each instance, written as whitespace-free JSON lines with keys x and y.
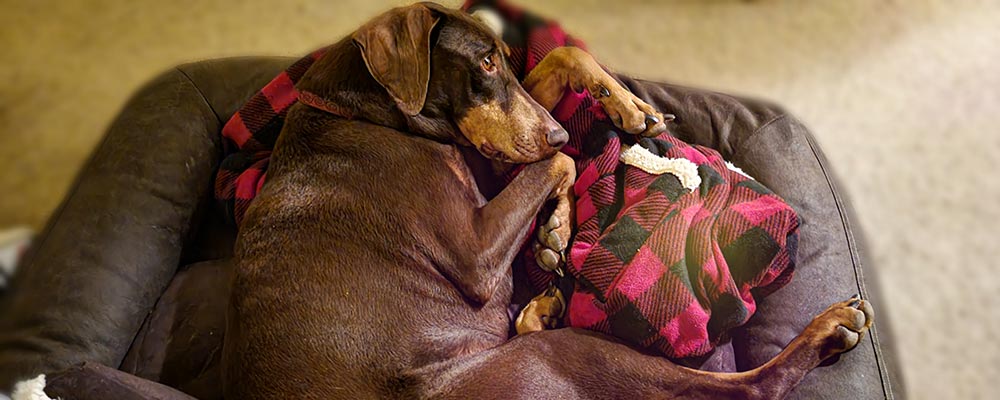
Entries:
{"x":340,"y":80}
{"x":340,"y":84}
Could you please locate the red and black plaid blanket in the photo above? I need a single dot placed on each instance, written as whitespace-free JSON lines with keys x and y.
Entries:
{"x":655,"y":264}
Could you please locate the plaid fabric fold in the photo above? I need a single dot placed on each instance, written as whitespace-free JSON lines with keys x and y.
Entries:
{"x":667,"y":268}
{"x":656,"y":265}
{"x":659,"y":266}
{"x":249,"y":137}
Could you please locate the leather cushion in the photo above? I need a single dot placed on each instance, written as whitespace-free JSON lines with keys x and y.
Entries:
{"x":92,"y":381}
{"x":116,"y":241}
{"x":180,"y":343}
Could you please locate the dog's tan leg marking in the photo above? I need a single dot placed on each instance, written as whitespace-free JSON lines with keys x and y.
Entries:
{"x":575,"y":68}
{"x":554,"y":235}
{"x":841,"y":327}
{"x":545,"y":311}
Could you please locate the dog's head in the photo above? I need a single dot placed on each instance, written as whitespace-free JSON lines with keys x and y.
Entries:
{"x":449,"y":76}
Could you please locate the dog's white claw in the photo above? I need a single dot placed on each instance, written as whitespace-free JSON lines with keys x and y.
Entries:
{"x":553,"y":223}
{"x":547,"y":259}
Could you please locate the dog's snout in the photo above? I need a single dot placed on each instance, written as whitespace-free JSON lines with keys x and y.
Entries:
{"x":557,"y":137}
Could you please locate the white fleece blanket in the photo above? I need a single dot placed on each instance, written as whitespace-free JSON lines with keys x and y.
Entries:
{"x":32,"y":389}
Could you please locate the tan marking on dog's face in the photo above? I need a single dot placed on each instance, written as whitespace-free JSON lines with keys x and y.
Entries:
{"x":514,"y":136}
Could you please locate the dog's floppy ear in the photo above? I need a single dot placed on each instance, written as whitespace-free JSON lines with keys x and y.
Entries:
{"x":396,"y":48}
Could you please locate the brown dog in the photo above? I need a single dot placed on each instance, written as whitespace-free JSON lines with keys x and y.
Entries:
{"x":371,"y":266}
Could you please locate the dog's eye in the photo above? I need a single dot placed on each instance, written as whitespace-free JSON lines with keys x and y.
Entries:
{"x":488,"y":63}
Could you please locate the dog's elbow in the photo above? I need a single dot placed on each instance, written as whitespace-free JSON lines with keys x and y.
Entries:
{"x":478,"y":297}
{"x":479,"y":283}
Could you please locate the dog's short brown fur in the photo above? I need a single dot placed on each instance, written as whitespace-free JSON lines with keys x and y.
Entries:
{"x":371,"y":266}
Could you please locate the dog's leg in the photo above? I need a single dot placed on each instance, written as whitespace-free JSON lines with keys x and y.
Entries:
{"x":496,"y":230}
{"x":574,"y":68}
{"x":836,"y":330}
{"x":570,"y":363}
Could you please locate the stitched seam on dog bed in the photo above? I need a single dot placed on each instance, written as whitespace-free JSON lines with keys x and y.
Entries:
{"x":201,"y":94}
{"x":739,"y":146}
{"x":849,"y":235}
{"x":856,"y":261}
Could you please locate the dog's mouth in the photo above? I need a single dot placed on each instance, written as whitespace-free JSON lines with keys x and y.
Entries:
{"x":491,"y":152}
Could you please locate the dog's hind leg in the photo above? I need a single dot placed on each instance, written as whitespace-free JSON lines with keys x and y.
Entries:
{"x":569,"y":363}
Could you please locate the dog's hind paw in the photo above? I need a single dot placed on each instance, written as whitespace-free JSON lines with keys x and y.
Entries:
{"x":841,"y":327}
{"x":545,"y":311}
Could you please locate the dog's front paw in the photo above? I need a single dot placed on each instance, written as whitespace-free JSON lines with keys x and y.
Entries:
{"x":552,"y":240}
{"x":627,"y":111}
{"x":554,"y":234}
{"x":574,"y":67}
{"x":841,"y":327}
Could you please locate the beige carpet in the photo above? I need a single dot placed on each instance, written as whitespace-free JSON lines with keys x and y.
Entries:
{"x":904,"y":95}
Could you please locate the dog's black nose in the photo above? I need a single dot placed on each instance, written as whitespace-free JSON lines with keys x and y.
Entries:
{"x":558,"y":137}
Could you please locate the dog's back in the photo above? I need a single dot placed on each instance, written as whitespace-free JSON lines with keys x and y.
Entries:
{"x":336,"y":255}
{"x":370,"y":252}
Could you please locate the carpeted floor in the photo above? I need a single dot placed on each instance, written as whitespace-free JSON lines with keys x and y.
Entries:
{"x":902,"y":94}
